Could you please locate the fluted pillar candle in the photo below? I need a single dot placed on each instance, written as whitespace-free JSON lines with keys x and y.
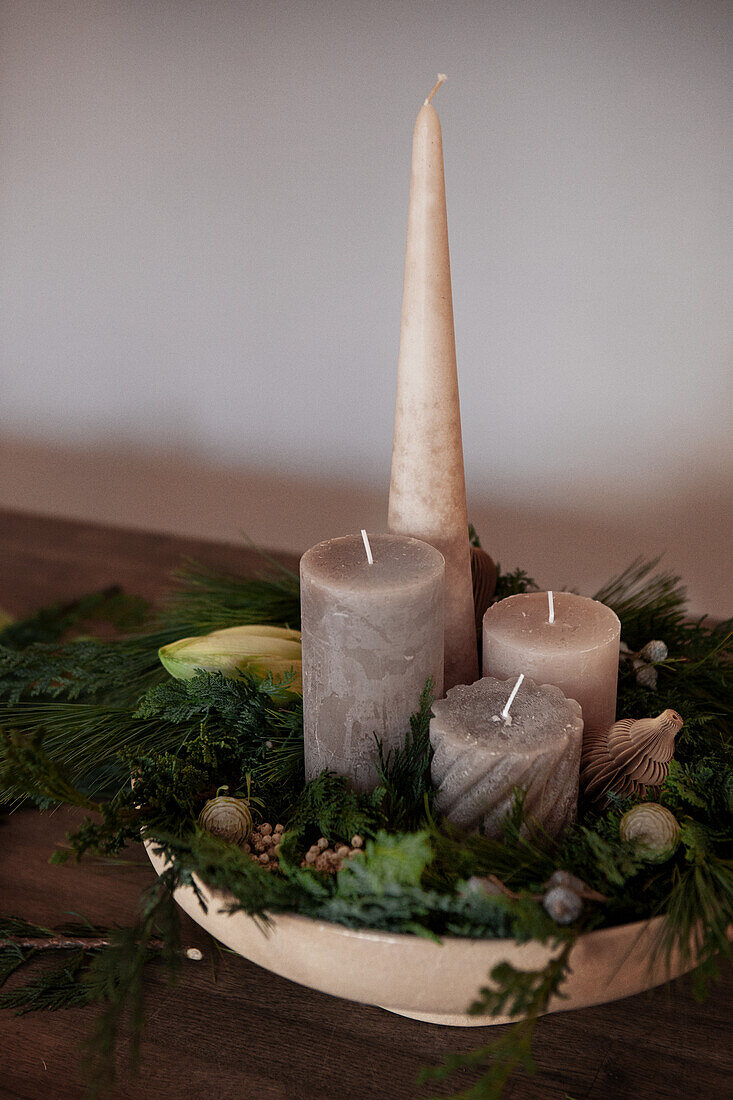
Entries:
{"x":427,"y":497}
{"x":483,"y":755}
{"x":372,"y":635}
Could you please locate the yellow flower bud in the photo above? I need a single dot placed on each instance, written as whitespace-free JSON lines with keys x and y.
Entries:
{"x":257,"y":650}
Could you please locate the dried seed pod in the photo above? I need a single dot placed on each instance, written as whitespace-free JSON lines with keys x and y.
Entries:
{"x":565,"y":878}
{"x":653,"y":831}
{"x":563,"y":904}
{"x":227,"y":818}
{"x":477,"y":884}
{"x":484,"y":576}
{"x":646,"y":675}
{"x":654,"y":651}
{"x":629,"y":757}
{"x":572,"y":882}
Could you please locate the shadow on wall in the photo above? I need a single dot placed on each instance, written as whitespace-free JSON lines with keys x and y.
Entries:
{"x":561,"y":546}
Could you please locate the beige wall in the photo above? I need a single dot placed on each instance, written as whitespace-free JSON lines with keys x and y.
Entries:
{"x":202,"y":234}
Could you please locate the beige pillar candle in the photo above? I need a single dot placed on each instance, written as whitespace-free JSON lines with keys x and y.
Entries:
{"x":577,"y":651}
{"x":488,"y":744}
{"x":372,"y":634}
{"x":427,"y":497}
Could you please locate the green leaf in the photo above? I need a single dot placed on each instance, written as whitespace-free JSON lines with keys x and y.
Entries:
{"x":388,"y":861}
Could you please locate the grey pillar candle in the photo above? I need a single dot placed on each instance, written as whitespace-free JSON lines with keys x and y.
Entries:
{"x":372,"y":635}
{"x":577,"y":651}
{"x":481,"y":757}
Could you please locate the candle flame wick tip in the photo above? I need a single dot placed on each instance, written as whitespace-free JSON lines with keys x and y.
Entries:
{"x":505,"y":713}
{"x":441,"y":80}
{"x":367,"y":547}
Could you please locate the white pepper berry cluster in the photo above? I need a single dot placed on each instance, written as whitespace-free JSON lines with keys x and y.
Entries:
{"x":264,"y":845}
{"x":329,"y":857}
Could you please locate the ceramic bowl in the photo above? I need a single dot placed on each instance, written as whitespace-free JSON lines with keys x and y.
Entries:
{"x":417,"y":977}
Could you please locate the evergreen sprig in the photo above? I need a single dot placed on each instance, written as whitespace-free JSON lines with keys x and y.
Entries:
{"x":112,"y":606}
{"x":115,"y":977}
{"x":515,"y":993}
{"x":81,"y":716}
{"x":406,"y":789}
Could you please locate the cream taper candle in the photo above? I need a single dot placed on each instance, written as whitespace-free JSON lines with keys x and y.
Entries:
{"x":372,"y":634}
{"x":427,"y":497}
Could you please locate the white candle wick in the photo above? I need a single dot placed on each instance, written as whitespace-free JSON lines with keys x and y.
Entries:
{"x":512,"y":697}
{"x":441,"y":80}
{"x":551,"y":602}
{"x":367,"y":547}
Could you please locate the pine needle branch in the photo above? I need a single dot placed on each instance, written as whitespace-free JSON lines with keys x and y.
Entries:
{"x":60,"y":987}
{"x":207,"y":600}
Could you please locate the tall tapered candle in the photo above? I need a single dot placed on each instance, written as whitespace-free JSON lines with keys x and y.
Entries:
{"x":427,"y":497}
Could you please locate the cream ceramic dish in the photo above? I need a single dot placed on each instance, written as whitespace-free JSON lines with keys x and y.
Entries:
{"x":416,"y":977}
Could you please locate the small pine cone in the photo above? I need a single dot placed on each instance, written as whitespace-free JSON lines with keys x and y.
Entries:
{"x":264,"y":858}
{"x":342,"y":850}
{"x":310,"y":858}
{"x":562,"y":904}
{"x":266,"y":829}
{"x":357,"y":841}
{"x":322,"y":844}
{"x":279,"y":829}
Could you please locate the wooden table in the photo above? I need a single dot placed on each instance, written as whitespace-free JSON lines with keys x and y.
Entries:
{"x":248,"y":1033}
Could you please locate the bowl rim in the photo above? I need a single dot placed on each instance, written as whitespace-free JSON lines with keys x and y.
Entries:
{"x":286,"y":917}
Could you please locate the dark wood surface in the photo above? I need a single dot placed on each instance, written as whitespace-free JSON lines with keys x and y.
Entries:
{"x":242,"y":1032}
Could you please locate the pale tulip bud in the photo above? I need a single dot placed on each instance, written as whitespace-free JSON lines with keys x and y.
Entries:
{"x":257,"y":650}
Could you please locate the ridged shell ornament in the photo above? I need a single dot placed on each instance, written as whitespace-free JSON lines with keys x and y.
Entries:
{"x":629,"y":757}
{"x":484,"y":575}
{"x":653,"y":831}
{"x":227,"y":818}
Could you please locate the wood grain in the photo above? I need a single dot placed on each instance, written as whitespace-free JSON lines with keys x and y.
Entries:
{"x":232,"y":1030}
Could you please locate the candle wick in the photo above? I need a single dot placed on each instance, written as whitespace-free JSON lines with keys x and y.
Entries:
{"x":551,"y":602}
{"x":441,"y":80}
{"x":367,"y":547}
{"x":510,"y":700}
